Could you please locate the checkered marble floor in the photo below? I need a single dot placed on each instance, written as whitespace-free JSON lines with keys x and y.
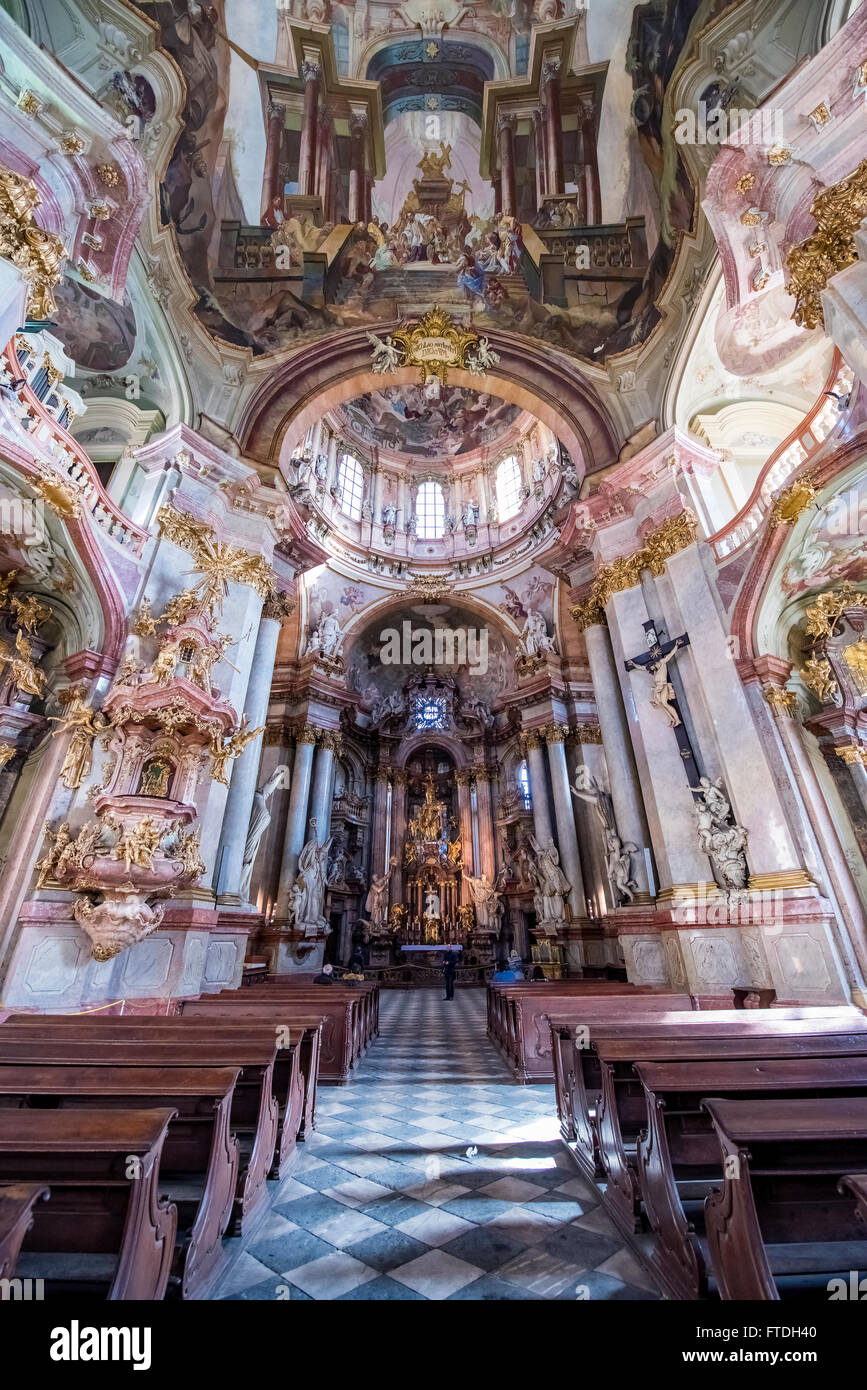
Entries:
{"x":433,"y":1175}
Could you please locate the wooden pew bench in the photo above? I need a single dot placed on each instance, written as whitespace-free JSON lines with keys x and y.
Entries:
{"x":526,"y":1039}
{"x":335,"y":1060}
{"x":199,"y":1165}
{"x":105,"y":1231}
{"x":364,"y":995}
{"x":254,"y":1114}
{"x":678,"y":1158}
{"x":16,"y":1217}
{"x":577,"y":1076}
{"x":780,"y":1221}
{"x":621,"y":1112}
{"x":289,"y":1084}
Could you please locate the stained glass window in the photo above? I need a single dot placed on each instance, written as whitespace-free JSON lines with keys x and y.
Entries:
{"x":430,"y":712}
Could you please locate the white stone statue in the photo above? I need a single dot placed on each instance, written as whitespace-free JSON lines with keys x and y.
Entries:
{"x":308,"y":891}
{"x":326,"y":638}
{"x":376,"y":902}
{"x":260,"y":819}
{"x":481,"y":357}
{"x":618,"y":862}
{"x":714,"y":797}
{"x":721,"y":838}
{"x":389,"y":514}
{"x":552,"y":885}
{"x":468,"y":514}
{"x":432,"y":904}
{"x":487,"y":900}
{"x":538,"y":471}
{"x":534,"y":639}
{"x":386,"y":353}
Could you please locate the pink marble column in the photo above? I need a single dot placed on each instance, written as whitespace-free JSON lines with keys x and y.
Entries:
{"x":551,"y":98}
{"x":463,"y":779}
{"x":311,"y":72}
{"x":506,"y":146}
{"x":539,"y":150}
{"x":592,"y":191}
{"x":357,"y":177}
{"x":323,"y":157}
{"x":484,"y":802}
{"x":271,"y":186}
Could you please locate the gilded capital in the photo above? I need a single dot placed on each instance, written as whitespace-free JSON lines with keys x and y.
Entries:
{"x":332,"y":741}
{"x":306,"y":733}
{"x":588,"y":733}
{"x":530,"y":740}
{"x":780,"y":700}
{"x":624,"y":572}
{"x":464,"y":777}
{"x":555,"y":733}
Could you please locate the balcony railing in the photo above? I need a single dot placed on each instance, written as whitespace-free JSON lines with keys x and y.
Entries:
{"x":54,"y":446}
{"x":800,"y":445}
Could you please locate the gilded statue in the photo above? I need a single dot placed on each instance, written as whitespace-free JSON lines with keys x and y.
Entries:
{"x":232,"y":748}
{"x":434,"y":165}
{"x":138,"y":844}
{"x":83,"y":724}
{"x":25,"y":673}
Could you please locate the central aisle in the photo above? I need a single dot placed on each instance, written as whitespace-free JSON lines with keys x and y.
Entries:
{"x":433,"y":1175}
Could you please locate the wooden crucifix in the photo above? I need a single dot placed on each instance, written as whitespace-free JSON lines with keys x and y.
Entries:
{"x":655,"y":661}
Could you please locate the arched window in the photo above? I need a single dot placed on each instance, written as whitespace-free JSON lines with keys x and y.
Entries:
{"x":430,"y":511}
{"x":508,"y":487}
{"x":524,"y":785}
{"x":350,"y":486}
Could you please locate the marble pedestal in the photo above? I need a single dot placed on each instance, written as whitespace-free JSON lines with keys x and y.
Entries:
{"x":51,"y":967}
{"x":704,"y":944}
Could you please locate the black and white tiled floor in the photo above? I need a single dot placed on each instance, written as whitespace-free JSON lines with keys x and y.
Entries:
{"x":433,"y":1175}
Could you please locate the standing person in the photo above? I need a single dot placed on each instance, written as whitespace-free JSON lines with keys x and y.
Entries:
{"x":449,"y":969}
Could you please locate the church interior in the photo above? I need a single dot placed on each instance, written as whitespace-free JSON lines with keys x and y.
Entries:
{"x":433,"y":651}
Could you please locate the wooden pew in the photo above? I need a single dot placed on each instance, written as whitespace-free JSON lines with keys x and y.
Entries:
{"x":363,"y":993}
{"x":199,"y":1165}
{"x":16,"y":1217}
{"x":523,"y":1030}
{"x":856,"y":1183}
{"x":254,"y":1114}
{"x":295,"y":1069}
{"x":621,"y":1113}
{"x":338,"y":1026}
{"x":678,"y":1157}
{"x":105,"y":1210}
{"x":780,"y":1209}
{"x":254,"y":970}
{"x":576,"y":1070}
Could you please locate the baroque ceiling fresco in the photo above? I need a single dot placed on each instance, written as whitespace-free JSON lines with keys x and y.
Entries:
{"x":403,"y":418}
{"x":251,"y":215}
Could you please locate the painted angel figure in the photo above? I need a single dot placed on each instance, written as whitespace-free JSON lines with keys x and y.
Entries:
{"x":482,"y":358}
{"x":386,"y":353}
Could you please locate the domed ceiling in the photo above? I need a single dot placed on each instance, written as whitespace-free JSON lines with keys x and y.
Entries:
{"x":403,"y":418}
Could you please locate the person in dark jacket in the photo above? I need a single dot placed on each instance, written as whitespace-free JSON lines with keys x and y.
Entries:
{"x":450,"y":966}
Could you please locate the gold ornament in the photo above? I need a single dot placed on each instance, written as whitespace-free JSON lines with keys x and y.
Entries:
{"x":217,"y":562}
{"x":853,"y":754}
{"x":155,"y":777}
{"x":792,"y":501}
{"x":84,"y":725}
{"x":233,"y":747}
{"x":138,"y":844}
{"x":428,"y":587}
{"x":30,"y":614}
{"x":435,"y":343}
{"x":58,"y":493}
{"x":36,"y":253}
{"x":26,"y":675}
{"x":745,"y":183}
{"x":71,"y":144}
{"x":108,"y":175}
{"x":817,"y":674}
{"x":855,"y":658}
{"x":7,"y":753}
{"x":780,"y":700}
{"x":824,"y":615}
{"x":675,"y":534}
{"x":28,"y":102}
{"x":839,"y":212}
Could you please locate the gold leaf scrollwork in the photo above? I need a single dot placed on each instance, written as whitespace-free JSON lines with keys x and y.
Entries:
{"x":36,"y":253}
{"x":839,"y":212}
{"x":624,"y":572}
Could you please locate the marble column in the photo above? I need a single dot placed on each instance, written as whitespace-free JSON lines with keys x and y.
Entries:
{"x":323,"y":781}
{"x":853,"y":755}
{"x":570,"y":858}
{"x":464,"y":778}
{"x":242,"y":788}
{"x":323,"y":156}
{"x":539,"y":151}
{"x":401,"y":501}
{"x":506,"y":145}
{"x":271,"y":187}
{"x":357,"y":190}
{"x":553,"y":124}
{"x":622,"y":773}
{"x":667,"y":799}
{"x":531,"y":746}
{"x":851,"y":945}
{"x":296,"y":819}
{"x":312,"y":73}
{"x":592,"y":192}
{"x":378,"y":824}
{"x":398,"y":832}
{"x":484,"y":799}
{"x":377,"y":494}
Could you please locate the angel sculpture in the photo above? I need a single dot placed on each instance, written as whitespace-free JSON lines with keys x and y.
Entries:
{"x":482,"y":358}
{"x":386,"y":353}
{"x":81,"y":722}
{"x":58,"y":840}
{"x":232,"y":748}
{"x":26,"y":675}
